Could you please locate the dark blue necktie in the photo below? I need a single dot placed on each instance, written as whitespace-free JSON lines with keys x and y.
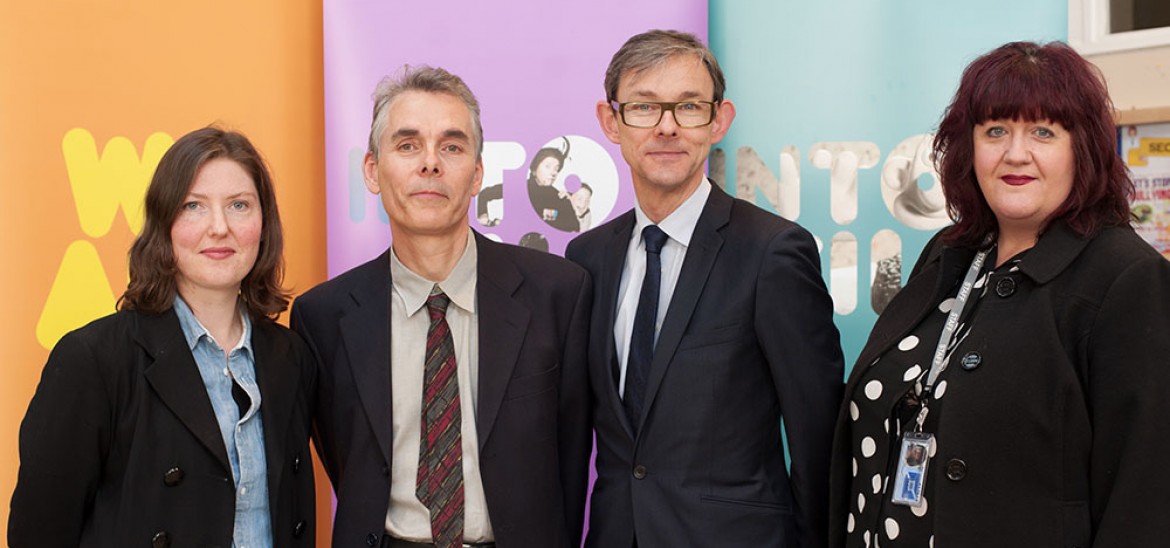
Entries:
{"x":642,"y":337}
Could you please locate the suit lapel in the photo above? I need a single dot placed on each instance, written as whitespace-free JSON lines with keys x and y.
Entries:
{"x":175,"y":378}
{"x":612,"y":263}
{"x":701,"y":254}
{"x":503,"y":322}
{"x":278,"y":377}
{"x":365,"y":332}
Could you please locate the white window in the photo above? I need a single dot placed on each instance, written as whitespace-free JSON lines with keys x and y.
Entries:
{"x":1102,"y":26}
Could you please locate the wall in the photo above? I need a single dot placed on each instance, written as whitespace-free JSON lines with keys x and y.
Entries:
{"x":1138,"y":79}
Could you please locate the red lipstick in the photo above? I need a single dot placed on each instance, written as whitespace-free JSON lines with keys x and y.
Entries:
{"x":1017,"y":180}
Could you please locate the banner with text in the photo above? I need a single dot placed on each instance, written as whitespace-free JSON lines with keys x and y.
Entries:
{"x":837,"y":102}
{"x":537,"y":69}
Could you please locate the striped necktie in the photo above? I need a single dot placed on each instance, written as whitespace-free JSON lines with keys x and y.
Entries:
{"x":440,"y":465}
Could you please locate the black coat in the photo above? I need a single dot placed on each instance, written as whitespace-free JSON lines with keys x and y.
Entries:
{"x":1058,"y":437}
{"x":532,"y":418}
{"x":748,"y":339}
{"x":120,"y":446}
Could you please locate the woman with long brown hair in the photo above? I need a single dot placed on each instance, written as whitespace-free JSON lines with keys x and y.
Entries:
{"x":182,"y":419}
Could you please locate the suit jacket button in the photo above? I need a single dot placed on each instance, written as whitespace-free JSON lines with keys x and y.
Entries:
{"x":173,"y":477}
{"x":639,"y":472}
{"x":971,"y":360}
{"x":372,"y":539}
{"x":161,"y":540}
{"x":1005,"y":287}
{"x":299,"y":529}
{"x":956,"y":469}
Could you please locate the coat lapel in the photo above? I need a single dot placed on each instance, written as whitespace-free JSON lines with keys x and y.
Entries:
{"x":175,"y":378}
{"x":924,"y":290}
{"x":701,"y":254}
{"x":278,"y":376}
{"x":365,"y":332}
{"x":612,"y":263}
{"x":503,"y":322}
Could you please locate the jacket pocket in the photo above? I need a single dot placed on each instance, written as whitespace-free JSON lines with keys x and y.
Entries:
{"x":526,"y":385}
{"x":712,"y":499}
{"x":711,"y":337}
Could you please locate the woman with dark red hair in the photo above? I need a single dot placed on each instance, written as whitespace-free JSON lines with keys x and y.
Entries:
{"x":1028,"y":355}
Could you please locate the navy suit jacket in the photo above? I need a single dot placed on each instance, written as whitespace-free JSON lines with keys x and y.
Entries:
{"x":748,"y":340}
{"x":532,"y":417}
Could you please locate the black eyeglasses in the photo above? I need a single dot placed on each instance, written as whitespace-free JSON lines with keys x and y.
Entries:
{"x":647,"y":114}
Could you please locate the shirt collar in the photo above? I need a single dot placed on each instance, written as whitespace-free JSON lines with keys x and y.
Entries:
{"x":680,"y":224}
{"x":459,"y":285}
{"x":194,"y":331}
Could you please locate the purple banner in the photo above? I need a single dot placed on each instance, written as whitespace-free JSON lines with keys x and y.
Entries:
{"x":537,"y":68}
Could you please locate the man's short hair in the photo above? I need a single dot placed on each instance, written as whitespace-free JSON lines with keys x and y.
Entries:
{"x":425,"y":79}
{"x":653,"y":48}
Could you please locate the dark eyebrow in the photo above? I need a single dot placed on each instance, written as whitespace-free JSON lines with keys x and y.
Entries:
{"x":411,"y":132}
{"x":404,"y":132}
{"x":646,"y":95}
{"x":456,"y":134}
{"x":246,"y":194}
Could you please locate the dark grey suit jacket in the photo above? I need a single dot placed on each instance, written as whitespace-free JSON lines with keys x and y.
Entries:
{"x":532,"y":416}
{"x":748,"y":340}
{"x":120,"y":442}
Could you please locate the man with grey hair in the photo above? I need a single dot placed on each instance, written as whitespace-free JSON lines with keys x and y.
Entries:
{"x":453,"y":401}
{"x":711,"y":325}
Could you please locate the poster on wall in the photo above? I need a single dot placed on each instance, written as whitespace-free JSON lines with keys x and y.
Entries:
{"x":1146,"y":149}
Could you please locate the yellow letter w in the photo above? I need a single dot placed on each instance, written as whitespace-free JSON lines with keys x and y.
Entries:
{"x":117,"y":178}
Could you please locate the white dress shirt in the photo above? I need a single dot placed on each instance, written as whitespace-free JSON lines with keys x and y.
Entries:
{"x":678,"y":226}
{"x":407,"y":518}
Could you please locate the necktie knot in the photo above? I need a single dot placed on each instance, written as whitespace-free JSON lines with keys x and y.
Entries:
{"x":654,"y":238}
{"x":437,"y":303}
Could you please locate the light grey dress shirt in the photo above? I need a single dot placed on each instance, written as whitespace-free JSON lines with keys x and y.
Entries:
{"x":407,"y":518}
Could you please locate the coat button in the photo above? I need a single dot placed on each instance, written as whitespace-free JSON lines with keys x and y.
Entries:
{"x":386,"y":471}
{"x":161,"y":540}
{"x":297,"y":463}
{"x":1005,"y":287}
{"x":971,"y":360}
{"x":372,"y":539}
{"x":173,"y":477}
{"x":956,"y":469}
{"x":639,"y":472}
{"x":299,"y":528}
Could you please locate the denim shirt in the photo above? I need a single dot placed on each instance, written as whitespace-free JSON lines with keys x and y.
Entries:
{"x":243,"y":437}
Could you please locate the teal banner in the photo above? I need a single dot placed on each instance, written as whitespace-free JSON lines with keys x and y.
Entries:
{"x":837,"y":102}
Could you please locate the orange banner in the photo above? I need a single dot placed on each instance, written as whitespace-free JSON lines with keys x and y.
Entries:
{"x":93,"y":93}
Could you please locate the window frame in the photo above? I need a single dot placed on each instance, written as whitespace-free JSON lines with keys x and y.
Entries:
{"x":1088,"y":30}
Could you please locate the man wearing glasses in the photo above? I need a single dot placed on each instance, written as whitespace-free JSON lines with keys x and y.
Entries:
{"x":711,"y":322}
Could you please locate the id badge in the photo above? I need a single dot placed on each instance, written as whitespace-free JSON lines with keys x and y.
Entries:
{"x":910,"y":476}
